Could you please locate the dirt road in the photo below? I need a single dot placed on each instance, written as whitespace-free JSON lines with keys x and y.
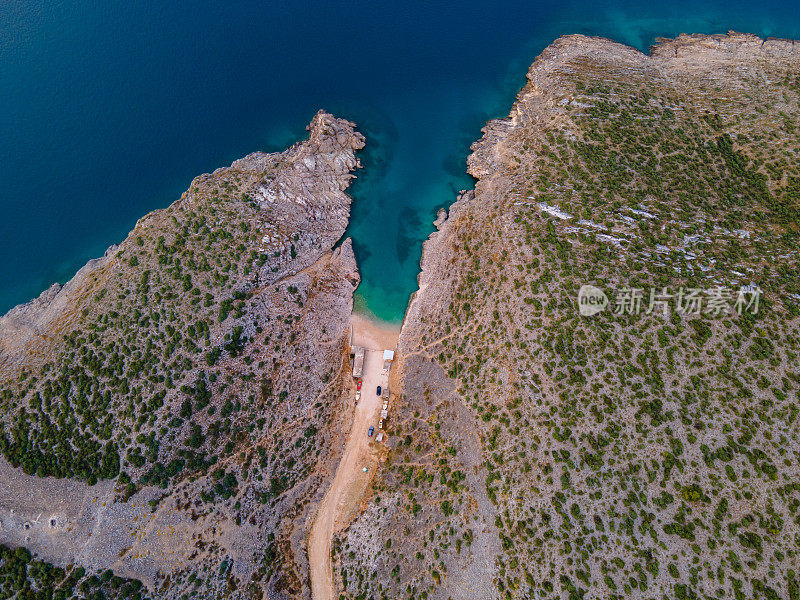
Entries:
{"x":339,"y":505}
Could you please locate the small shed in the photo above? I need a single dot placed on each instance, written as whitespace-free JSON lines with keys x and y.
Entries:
{"x":358,"y":361}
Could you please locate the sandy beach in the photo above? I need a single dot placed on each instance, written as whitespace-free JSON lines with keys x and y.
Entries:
{"x":373,"y":334}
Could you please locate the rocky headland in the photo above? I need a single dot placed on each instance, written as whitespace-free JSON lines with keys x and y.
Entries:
{"x":174,"y":412}
{"x":536,"y":453}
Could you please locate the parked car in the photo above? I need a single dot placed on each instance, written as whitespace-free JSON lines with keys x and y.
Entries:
{"x":371,"y":431}
{"x":380,"y":424}
{"x":358,"y":397}
{"x":379,"y":390}
{"x":358,"y":384}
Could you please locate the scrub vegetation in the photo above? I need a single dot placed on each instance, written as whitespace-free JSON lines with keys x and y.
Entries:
{"x":199,"y":365}
{"x":23,"y":577}
{"x":539,"y":453}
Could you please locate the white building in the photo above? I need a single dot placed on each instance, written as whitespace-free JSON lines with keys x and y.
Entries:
{"x":388,"y":357}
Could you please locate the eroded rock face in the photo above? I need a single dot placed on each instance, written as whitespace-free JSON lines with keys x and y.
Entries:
{"x":536,"y":453}
{"x":173,"y":412}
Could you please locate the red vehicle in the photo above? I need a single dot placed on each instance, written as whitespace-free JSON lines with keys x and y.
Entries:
{"x":358,"y":384}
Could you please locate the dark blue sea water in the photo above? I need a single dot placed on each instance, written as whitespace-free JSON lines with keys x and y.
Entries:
{"x":108,"y":110}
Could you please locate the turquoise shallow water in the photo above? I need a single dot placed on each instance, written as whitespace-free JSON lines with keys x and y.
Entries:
{"x":108,"y":110}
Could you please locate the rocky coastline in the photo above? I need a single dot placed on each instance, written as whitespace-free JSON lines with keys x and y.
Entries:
{"x":519,"y":449}
{"x":720,"y":78}
{"x":238,"y":520}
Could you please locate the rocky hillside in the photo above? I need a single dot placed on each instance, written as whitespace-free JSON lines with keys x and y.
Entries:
{"x":170,"y":412}
{"x":648,"y":450}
